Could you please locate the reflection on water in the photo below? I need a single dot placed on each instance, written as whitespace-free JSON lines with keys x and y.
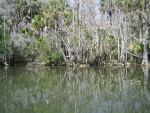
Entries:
{"x":63,"y":90}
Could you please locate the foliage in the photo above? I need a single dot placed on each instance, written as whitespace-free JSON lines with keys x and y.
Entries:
{"x":26,"y":31}
{"x":58,"y":30}
{"x":93,"y":47}
{"x":55,"y":56}
{"x":5,"y":48}
{"x":56,"y":11}
{"x":109,"y":39}
{"x":135,"y":47}
{"x":74,"y":40}
{"x":88,"y":35}
{"x":37,"y":22}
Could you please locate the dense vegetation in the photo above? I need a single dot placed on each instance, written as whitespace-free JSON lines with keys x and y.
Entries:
{"x":74,"y":31}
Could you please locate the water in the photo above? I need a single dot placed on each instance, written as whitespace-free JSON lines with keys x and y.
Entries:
{"x":68,"y":90}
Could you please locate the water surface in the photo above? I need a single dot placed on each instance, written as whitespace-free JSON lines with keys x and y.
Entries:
{"x":68,"y":90}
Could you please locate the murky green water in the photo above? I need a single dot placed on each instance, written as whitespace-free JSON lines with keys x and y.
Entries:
{"x":62,"y":90}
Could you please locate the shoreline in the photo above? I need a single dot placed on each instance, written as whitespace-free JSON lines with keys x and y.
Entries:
{"x":81,"y":65}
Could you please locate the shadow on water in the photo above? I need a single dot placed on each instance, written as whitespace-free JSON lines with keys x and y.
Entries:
{"x":68,"y":90}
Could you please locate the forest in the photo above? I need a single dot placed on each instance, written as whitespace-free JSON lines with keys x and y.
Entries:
{"x":72,"y":32}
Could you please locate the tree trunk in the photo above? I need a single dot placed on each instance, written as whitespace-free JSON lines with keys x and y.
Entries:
{"x":145,"y":8}
{"x":79,"y":19}
{"x":145,"y":53}
{"x":145,"y":43}
{"x":146,"y":78}
{"x":122,"y":57}
{"x":118,"y":49}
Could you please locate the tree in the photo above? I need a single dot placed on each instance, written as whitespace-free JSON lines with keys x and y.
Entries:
{"x":144,"y":14}
{"x":78,"y":32}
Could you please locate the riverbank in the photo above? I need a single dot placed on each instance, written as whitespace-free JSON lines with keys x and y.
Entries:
{"x":80,"y":65}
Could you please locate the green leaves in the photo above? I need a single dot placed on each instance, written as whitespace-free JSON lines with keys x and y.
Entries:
{"x":55,"y":55}
{"x":88,"y":35}
{"x":93,"y":47}
{"x":74,"y":40}
{"x":136,"y":47}
{"x":26,"y":31}
{"x":109,"y":39}
{"x":130,"y":5}
{"x":142,"y":1}
{"x":37,"y":22}
{"x":58,"y":11}
{"x":68,"y":15}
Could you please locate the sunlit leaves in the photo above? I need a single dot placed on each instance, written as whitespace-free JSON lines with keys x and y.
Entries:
{"x":68,"y":15}
{"x":58,"y":11}
{"x":37,"y":22}
{"x":109,"y":38}
{"x":93,"y":47}
{"x":135,"y":47}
